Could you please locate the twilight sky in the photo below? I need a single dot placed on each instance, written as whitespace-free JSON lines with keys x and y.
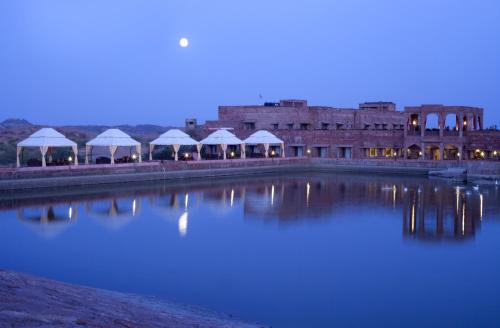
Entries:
{"x":119,"y":61}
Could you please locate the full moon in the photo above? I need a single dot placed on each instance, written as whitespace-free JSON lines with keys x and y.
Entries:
{"x":184,"y":42}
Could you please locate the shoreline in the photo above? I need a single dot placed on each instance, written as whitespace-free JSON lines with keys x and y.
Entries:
{"x":91,"y":175}
{"x":31,"y":301}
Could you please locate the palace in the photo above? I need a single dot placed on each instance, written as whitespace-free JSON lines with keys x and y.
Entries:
{"x":374,"y":130}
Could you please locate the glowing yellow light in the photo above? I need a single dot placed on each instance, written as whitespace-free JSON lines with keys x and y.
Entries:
{"x":186,"y":155}
{"x":70,"y":158}
{"x":272,"y":195}
{"x":308,"y":189}
{"x":420,"y":153}
{"x":465,"y":122}
{"x":134,"y":156}
{"x":183,"y":224}
{"x":463,"y":219}
{"x":273,"y":152}
{"x":495,"y":153}
{"x":414,"y":122}
{"x":482,"y":154}
{"x":413,"y":218}
{"x":481,"y":206}
{"x":232,"y":154}
{"x":458,"y":154}
{"x":395,"y":153}
{"x":308,"y":151}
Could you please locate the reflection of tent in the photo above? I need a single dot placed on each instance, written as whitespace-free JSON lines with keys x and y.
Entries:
{"x":112,"y":138}
{"x":45,"y":139}
{"x":223,"y":138}
{"x":265,"y":138}
{"x":116,"y":215}
{"x":48,"y":223}
{"x":175,"y":138}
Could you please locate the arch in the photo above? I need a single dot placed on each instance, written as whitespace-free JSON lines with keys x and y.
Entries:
{"x":451,"y":152}
{"x":451,"y":122}
{"x":432,"y":152}
{"x":414,"y":152}
{"x":431,"y":121}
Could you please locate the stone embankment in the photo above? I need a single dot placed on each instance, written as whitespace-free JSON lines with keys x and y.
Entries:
{"x":28,"y":301}
{"x":67,"y":176}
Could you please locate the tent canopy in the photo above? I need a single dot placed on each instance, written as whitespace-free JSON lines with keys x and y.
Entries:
{"x":113,"y":137}
{"x":221,"y":137}
{"x":263,"y":137}
{"x":174,"y":137}
{"x":46,"y":137}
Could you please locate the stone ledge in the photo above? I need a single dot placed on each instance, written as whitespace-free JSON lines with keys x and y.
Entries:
{"x":29,"y":301}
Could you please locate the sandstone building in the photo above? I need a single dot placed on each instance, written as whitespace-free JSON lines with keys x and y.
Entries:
{"x":374,"y":130}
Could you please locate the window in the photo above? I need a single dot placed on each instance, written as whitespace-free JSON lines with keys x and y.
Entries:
{"x":373,"y":152}
{"x":275,"y":126}
{"x":340,"y":126}
{"x":249,"y":126}
{"x":304,"y":126}
{"x":324,"y":126}
{"x":387,"y":152}
{"x":290,"y":126}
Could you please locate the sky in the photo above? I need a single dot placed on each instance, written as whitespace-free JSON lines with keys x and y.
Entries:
{"x":119,"y":61}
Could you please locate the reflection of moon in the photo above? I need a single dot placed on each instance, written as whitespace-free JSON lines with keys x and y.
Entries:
{"x":183,"y":224}
{"x":183,"y":42}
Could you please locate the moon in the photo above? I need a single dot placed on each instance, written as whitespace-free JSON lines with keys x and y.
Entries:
{"x":183,"y":42}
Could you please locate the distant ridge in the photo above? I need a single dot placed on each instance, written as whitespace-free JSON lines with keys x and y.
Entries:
{"x":15,"y":123}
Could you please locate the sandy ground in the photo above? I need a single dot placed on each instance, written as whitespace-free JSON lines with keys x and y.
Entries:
{"x":29,"y":301}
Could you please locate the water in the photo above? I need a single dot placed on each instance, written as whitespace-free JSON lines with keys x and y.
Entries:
{"x":300,"y":251}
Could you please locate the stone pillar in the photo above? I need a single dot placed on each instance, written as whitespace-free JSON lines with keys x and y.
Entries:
{"x":441,"y":151}
{"x":441,"y":121}
{"x":460,"y":124}
{"x":421,"y":120}
{"x":460,"y":151}
{"x":422,"y":147}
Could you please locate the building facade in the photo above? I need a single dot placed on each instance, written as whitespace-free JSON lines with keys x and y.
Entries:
{"x":374,"y":130}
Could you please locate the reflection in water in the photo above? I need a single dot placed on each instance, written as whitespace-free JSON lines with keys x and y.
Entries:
{"x":45,"y":220}
{"x":430,"y":210}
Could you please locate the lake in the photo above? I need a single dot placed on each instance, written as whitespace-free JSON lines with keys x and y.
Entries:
{"x":318,"y":250}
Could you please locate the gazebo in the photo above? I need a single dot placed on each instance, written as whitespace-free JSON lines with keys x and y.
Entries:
{"x":112,"y":138}
{"x":175,"y":138}
{"x":223,"y":138}
{"x":265,"y":138}
{"x":45,"y":139}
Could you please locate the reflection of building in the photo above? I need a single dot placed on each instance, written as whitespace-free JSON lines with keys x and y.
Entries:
{"x":430,"y":214}
{"x":430,"y":210}
{"x":374,"y":130}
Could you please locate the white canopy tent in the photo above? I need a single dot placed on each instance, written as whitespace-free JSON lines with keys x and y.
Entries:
{"x":265,"y":138}
{"x":112,"y":138}
{"x":175,"y":138}
{"x":224,"y":138}
{"x":46,"y":138}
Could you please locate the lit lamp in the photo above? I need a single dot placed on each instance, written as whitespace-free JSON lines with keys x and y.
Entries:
{"x":232,"y":154}
{"x":309,"y":151}
{"x":495,"y":153}
{"x":458,"y":154}
{"x":70,"y":159}
{"x":482,"y":154}
{"x":420,"y":153}
{"x":273,"y":152}
{"x":414,"y":122}
{"x":395,"y":153}
{"x":134,"y":157}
